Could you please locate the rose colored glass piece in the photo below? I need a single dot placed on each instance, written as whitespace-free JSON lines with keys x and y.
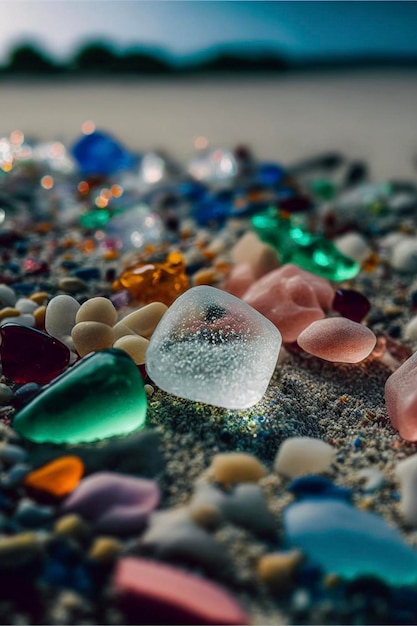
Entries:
{"x":338,"y":339}
{"x":240,"y":279}
{"x":401,"y":398}
{"x":31,"y":356}
{"x":291,"y":298}
{"x":351,"y":304}
{"x":114,"y":502}
{"x":168,"y":595}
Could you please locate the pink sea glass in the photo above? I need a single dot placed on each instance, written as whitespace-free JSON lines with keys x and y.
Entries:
{"x":401,"y":398}
{"x":240,"y":279}
{"x":291,"y":298}
{"x":114,"y":502}
{"x":161,"y":594}
{"x":338,"y":339}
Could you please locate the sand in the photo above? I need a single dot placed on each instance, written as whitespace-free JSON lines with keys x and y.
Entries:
{"x":369,"y":116}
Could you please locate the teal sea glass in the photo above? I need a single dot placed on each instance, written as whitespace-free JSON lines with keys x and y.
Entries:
{"x":102,"y":396}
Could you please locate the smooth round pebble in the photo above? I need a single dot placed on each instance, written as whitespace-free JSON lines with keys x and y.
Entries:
{"x":91,"y":337}
{"x":40,"y":297}
{"x":7,"y":296}
{"x":24,"y":319}
{"x":25,"y":305}
{"x":71,"y":284}
{"x":354,"y":246}
{"x":337,"y":339}
{"x":406,"y":474}
{"x":143,"y":321}
{"x":9,"y":311}
{"x":404,"y":255}
{"x":410,"y":330}
{"x":11,"y":454}
{"x":298,"y":456}
{"x":236,"y":467}
{"x":205,"y":515}
{"x":19,"y":550}
{"x":72,"y":525}
{"x":39,"y":315}
{"x":135,"y":346}
{"x":16,"y":475}
{"x":105,"y":549}
{"x":121,"y":330}
{"x":97,"y":309}
{"x":278,"y":569}
{"x":247,"y":507}
{"x":60,"y":316}
{"x":6,"y":394}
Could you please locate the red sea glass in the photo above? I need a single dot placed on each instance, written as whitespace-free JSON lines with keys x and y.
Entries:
{"x":31,"y":356}
{"x":351,"y":304}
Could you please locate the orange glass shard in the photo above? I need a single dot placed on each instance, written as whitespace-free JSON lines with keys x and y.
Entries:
{"x":59,"y":477}
{"x":151,"y":282}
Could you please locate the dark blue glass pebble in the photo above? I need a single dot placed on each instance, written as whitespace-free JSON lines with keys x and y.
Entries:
{"x":88,"y":273}
{"x":98,"y":153}
{"x":270,"y":173}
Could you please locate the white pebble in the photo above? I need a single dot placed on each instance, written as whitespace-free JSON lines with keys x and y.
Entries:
{"x":60,"y":316}
{"x":410,"y":331}
{"x":404,"y":255}
{"x":7,"y":296}
{"x":24,"y":305}
{"x":406,"y":473}
{"x":354,"y":246}
{"x":298,"y":456}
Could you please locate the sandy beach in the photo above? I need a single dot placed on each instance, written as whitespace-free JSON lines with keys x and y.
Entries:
{"x":367,"y":115}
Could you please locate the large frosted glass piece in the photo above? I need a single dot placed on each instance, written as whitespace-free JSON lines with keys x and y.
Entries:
{"x":212,"y":347}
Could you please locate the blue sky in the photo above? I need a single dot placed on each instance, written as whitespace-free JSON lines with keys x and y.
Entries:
{"x":299,"y":28}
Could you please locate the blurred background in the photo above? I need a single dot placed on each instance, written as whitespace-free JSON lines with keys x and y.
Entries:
{"x":289,"y":79}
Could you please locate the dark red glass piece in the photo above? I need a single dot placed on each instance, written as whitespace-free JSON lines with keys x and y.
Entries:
{"x":31,"y":356}
{"x":351,"y":304}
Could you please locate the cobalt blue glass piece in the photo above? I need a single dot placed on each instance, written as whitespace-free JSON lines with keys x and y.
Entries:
{"x":88,"y":273}
{"x":214,"y":208}
{"x":312,"y":485}
{"x":270,"y":173}
{"x":192,"y":190}
{"x":98,"y":153}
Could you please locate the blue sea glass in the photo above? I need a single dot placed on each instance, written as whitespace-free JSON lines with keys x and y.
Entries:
{"x":98,"y":153}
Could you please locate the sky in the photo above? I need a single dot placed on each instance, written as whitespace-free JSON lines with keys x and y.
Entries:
{"x":183,"y":28}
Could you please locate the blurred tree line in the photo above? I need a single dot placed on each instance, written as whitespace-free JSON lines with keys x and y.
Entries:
{"x":97,"y":58}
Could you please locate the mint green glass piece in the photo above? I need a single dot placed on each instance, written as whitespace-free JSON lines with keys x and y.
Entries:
{"x":102,"y":396}
{"x":295,"y":244}
{"x":97,"y":218}
{"x":323,"y":189}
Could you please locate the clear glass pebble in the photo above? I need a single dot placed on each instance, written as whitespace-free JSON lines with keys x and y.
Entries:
{"x":212,"y":347}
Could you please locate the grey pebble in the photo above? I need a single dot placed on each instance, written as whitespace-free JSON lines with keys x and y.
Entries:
{"x":7,"y":296}
{"x":11,"y":454}
{"x":6,"y":394}
{"x":15,"y":475}
{"x":372,"y":479}
{"x":32,"y":515}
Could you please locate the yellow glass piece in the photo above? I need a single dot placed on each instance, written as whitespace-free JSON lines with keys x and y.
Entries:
{"x":151,"y":282}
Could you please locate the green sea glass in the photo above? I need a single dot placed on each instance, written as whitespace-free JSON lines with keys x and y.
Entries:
{"x":323,"y":189}
{"x":102,"y":396}
{"x":295,"y":244}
